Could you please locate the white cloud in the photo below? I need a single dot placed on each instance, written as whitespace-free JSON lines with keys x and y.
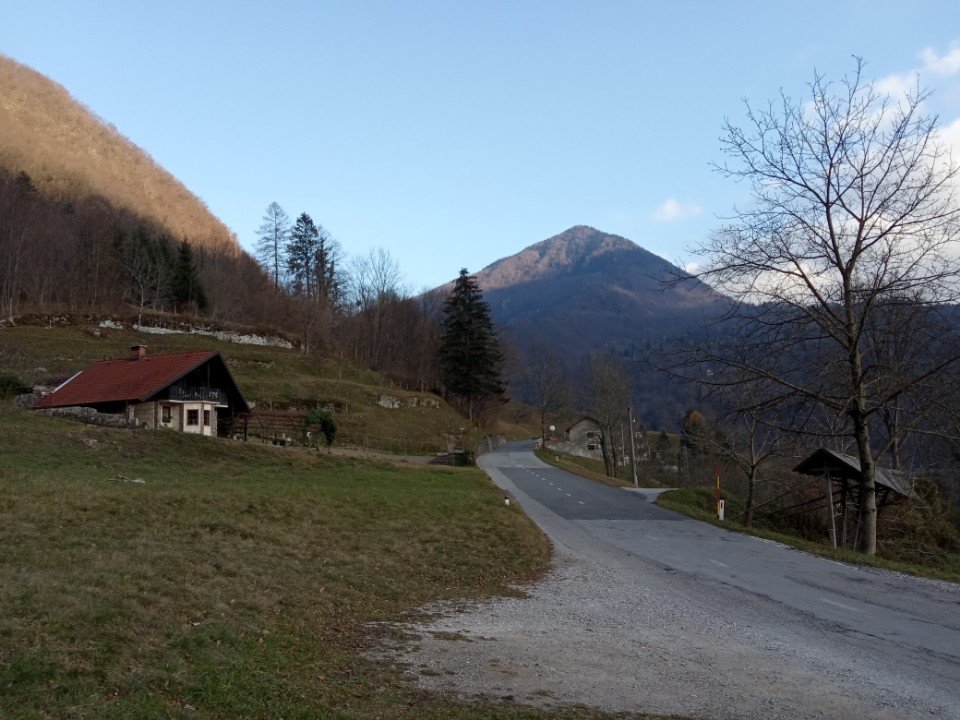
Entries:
{"x":950,"y":135}
{"x":898,"y":85}
{"x":943,"y":65}
{"x":672,"y":210}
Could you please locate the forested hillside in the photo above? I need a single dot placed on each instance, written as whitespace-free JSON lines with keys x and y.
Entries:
{"x":72,"y":155}
{"x":89,"y":223}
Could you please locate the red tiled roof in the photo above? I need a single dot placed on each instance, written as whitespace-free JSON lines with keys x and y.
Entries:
{"x":124,"y":380}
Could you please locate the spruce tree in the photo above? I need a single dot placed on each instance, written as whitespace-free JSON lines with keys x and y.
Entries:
{"x":301,"y":255}
{"x":470,"y":354}
{"x":311,"y":259}
{"x":186,"y":287}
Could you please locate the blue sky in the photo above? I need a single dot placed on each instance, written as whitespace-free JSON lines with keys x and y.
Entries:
{"x":455,"y":133}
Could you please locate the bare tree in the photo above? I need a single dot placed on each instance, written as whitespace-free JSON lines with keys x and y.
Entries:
{"x":272,"y":238}
{"x":747,"y":437}
{"x":546,"y":381}
{"x":375,"y":287}
{"x":608,"y":388}
{"x":853,"y":213}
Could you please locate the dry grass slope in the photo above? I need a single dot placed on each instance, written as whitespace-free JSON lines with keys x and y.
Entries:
{"x":271,"y":377}
{"x":236,"y":580}
{"x":71,"y":154}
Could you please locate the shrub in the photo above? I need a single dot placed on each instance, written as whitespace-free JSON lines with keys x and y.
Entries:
{"x":11,"y":385}
{"x":324,"y":422}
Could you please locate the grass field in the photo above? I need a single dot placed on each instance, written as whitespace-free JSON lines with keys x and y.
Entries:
{"x":236,"y":580}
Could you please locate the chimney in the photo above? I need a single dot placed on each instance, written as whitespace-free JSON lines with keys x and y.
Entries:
{"x":138,"y":352}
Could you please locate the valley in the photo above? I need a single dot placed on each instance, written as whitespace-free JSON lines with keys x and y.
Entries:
{"x":579,"y":482}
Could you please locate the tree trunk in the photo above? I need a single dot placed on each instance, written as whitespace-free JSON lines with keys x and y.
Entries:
{"x":605,"y":450}
{"x":868,"y":504}
{"x":751,"y":484}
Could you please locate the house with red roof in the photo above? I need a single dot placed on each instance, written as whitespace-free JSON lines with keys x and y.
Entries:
{"x":190,"y":392}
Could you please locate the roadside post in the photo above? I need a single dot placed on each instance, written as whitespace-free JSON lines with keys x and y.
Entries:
{"x":720,"y":503}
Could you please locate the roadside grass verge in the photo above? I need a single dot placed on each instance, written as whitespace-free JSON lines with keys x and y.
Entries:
{"x":700,"y":503}
{"x":588,"y":468}
{"x":236,"y":580}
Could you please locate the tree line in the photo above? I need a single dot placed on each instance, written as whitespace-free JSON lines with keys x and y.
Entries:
{"x":359,"y":309}
{"x":84,"y":254}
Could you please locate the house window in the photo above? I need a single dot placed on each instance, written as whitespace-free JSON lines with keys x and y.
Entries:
{"x":591,"y":446}
{"x":193,"y":417}
{"x":165,"y":415}
{"x":206,"y":418}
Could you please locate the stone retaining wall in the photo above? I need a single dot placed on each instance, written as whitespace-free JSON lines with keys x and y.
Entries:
{"x":92,"y":417}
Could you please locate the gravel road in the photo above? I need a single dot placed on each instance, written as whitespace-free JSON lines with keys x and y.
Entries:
{"x":646,"y":611}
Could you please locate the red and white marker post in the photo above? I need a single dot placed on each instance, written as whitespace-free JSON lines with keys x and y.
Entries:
{"x":719,"y":499}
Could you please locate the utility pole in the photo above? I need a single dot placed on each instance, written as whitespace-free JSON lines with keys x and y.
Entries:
{"x":633,"y":450}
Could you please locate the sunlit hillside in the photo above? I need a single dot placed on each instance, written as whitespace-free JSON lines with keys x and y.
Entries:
{"x":72,"y":154}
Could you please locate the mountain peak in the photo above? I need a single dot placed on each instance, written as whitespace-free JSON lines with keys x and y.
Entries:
{"x":570,"y":251}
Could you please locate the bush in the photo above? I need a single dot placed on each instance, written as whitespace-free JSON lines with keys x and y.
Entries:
{"x":324,"y":422}
{"x":11,"y":385}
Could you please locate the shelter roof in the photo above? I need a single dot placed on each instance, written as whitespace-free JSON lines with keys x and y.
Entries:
{"x":843,"y":466}
{"x":125,"y":380}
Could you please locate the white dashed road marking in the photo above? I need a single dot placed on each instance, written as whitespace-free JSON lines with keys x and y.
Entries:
{"x":839,"y":605}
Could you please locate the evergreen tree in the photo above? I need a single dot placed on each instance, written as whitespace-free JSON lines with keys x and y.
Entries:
{"x":470,"y":355}
{"x":312,"y":260}
{"x":326,"y":268}
{"x":186,"y":288}
{"x":301,"y":256}
{"x":272,"y":236}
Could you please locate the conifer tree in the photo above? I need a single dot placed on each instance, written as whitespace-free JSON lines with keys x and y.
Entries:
{"x":186,"y":287}
{"x":311,"y":259}
{"x":470,"y":354}
{"x":301,"y":255}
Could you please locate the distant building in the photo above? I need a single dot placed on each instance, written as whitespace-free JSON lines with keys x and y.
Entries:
{"x":191,"y":392}
{"x":582,"y":439}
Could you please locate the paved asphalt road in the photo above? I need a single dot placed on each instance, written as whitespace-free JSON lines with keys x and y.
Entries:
{"x":868,"y":603}
{"x":906,"y":630}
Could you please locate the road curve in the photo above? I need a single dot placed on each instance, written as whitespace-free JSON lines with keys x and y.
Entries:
{"x":708,"y":622}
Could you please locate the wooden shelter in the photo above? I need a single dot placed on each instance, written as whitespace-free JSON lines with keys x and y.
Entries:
{"x":843,"y":486}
